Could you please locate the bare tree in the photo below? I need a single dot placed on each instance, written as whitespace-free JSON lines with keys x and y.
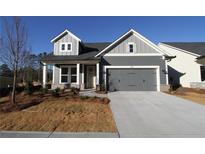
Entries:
{"x":15,"y":51}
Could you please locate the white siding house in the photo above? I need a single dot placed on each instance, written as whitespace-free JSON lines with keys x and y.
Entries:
{"x":183,"y":69}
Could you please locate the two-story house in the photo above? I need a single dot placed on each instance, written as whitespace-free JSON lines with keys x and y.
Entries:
{"x":130,"y":63}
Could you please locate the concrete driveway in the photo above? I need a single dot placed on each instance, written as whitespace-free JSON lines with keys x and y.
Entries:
{"x":155,"y":114}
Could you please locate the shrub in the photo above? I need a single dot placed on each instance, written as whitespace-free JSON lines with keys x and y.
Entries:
{"x":20,"y":89}
{"x":75,"y":90}
{"x":84,"y":97}
{"x":37,"y":88}
{"x":5,"y":91}
{"x":174,"y":87}
{"x":56,"y":92}
{"x":29,"y":88}
{"x":44,"y":90}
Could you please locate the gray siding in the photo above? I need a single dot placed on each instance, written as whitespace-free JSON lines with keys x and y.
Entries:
{"x":134,"y":60}
{"x":66,"y":39}
{"x":139,"y":46}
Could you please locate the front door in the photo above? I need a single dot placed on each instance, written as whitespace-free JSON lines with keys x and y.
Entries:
{"x":90,"y":76}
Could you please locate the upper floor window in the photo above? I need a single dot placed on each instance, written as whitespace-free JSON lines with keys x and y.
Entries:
{"x":131,"y":47}
{"x":66,"y":46}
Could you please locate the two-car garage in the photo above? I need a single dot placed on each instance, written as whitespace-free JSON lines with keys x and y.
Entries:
{"x":130,"y":78}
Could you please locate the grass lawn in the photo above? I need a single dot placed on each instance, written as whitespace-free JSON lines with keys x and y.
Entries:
{"x":191,"y":94}
{"x":65,"y":113}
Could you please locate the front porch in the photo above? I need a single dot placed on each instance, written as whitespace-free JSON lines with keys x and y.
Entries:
{"x":78,"y":74}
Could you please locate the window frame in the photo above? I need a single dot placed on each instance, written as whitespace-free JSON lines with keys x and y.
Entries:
{"x":69,"y":75}
{"x":202,"y":75}
{"x":66,"y":47}
{"x":128,"y":48}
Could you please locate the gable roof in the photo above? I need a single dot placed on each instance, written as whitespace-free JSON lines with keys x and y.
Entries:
{"x":197,"y":48}
{"x":63,"y":33}
{"x":131,"y":31}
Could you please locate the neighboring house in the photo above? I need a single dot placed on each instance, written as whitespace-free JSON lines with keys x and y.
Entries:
{"x":130,"y":63}
{"x":188,"y":68}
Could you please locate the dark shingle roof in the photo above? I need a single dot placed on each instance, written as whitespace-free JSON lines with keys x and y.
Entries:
{"x":84,"y":56}
{"x":194,"y":47}
{"x":98,"y":45}
{"x":88,"y":52}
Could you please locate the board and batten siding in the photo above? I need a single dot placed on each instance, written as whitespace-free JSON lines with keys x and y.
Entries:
{"x":66,"y":39}
{"x":139,"y":46}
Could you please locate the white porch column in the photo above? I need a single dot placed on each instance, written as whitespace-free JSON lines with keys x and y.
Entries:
{"x":97,"y":74}
{"x":78,"y":74}
{"x":53,"y":77}
{"x":44,"y":74}
{"x":82,"y":80}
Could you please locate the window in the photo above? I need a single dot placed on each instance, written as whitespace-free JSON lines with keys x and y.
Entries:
{"x":62,"y":47}
{"x":131,"y":47}
{"x":68,"y":74}
{"x":69,"y":46}
{"x":64,"y":75}
{"x":73,"y":74}
{"x":202,"y":68}
{"x":66,"y":47}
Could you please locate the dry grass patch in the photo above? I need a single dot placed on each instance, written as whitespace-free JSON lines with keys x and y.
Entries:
{"x":195,"y":95}
{"x":73,"y":114}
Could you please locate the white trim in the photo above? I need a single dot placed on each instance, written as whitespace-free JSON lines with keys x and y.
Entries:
{"x":132,"y":54}
{"x":97,"y":73}
{"x":53,"y":73}
{"x":134,"y":66}
{"x":69,"y":74}
{"x":66,"y":31}
{"x":83,"y":73}
{"x":166,"y":69}
{"x":44,"y":74}
{"x":137,"y":35}
{"x":66,"y":47}
{"x":185,"y":51}
{"x":78,"y":73}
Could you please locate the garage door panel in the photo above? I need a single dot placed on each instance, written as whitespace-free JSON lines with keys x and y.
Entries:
{"x":132,"y":80}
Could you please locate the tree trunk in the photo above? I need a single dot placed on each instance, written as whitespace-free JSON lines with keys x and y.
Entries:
{"x":13,"y":94}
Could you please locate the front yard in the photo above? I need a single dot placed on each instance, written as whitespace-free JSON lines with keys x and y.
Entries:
{"x":195,"y":95}
{"x":67,"y":113}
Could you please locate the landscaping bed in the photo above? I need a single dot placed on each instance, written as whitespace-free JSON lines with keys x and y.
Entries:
{"x":193,"y":94}
{"x":68,"y":112}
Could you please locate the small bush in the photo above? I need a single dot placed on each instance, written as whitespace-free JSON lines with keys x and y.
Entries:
{"x":37,"y":88}
{"x":44,"y":90}
{"x":84,"y":97}
{"x":75,"y":90}
{"x":174,"y":87}
{"x":20,"y":89}
{"x":56,"y":92}
{"x":29,"y":88}
{"x":5,"y":91}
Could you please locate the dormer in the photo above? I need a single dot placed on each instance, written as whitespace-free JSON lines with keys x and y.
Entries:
{"x":66,"y":43}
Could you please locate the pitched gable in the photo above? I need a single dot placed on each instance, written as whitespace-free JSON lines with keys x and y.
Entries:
{"x":141,"y":44}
